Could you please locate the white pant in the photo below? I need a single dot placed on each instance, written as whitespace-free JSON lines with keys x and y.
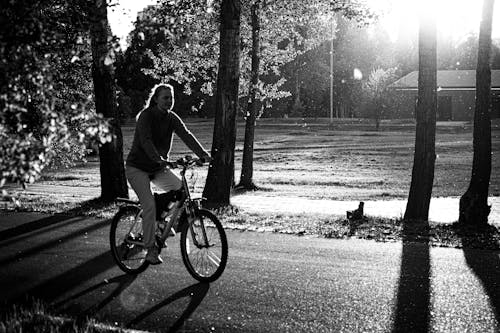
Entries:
{"x":141,"y":181}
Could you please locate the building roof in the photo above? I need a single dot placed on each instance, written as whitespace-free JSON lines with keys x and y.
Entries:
{"x":452,"y":79}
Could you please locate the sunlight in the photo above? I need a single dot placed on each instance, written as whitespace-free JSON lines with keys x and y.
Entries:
{"x":455,"y":18}
{"x":122,"y":16}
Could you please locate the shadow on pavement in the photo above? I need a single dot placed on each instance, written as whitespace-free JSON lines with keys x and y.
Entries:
{"x":32,"y":226}
{"x":55,"y":242}
{"x":57,"y":286}
{"x":122,"y":282}
{"x":484,"y":263}
{"x":413,"y":299}
{"x":196,"y":293}
{"x":73,"y":215}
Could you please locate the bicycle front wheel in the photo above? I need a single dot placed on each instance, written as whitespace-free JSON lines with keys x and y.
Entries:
{"x":126,"y":240}
{"x":204,"y":246}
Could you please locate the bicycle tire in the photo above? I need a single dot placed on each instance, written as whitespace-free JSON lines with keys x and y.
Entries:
{"x":126,"y":226}
{"x":205,"y":262}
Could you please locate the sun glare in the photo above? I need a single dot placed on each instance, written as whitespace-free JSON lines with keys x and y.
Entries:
{"x":455,"y":18}
{"x":123,"y":15}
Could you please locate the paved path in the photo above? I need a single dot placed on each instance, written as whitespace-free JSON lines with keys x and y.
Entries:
{"x":443,"y":210}
{"x":273,"y":282}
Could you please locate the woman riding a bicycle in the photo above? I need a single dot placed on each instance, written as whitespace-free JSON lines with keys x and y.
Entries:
{"x":147,"y":161}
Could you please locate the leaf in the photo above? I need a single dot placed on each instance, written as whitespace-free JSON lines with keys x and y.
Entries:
{"x":108,"y":60}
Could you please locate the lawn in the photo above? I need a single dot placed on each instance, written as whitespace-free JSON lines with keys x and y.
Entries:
{"x":309,"y":158}
{"x":349,"y":160}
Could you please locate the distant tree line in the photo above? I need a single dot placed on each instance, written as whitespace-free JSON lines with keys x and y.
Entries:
{"x":306,"y":77}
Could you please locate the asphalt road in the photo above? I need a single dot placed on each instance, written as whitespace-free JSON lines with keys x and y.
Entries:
{"x":273,"y":282}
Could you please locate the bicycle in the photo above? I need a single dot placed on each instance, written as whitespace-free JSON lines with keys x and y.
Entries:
{"x":203,"y":241}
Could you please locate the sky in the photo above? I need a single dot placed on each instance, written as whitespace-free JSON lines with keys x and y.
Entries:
{"x":455,"y":18}
{"x":123,"y":15}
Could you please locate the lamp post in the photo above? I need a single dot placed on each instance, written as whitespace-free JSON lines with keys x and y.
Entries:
{"x":331,"y":70}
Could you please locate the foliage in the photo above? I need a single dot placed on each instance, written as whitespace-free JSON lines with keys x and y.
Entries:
{"x":177,"y":41}
{"x":45,"y":91}
{"x":375,"y":89}
{"x":191,"y":56}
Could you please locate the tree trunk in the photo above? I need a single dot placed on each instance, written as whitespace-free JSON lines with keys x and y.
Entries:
{"x":297,"y":104}
{"x":422,"y":179}
{"x":113,"y":181}
{"x":220,"y":176}
{"x":474,"y":209}
{"x":246,"y":179}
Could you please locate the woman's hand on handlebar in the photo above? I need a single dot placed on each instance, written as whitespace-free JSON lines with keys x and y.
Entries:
{"x":168,"y":164}
{"x":203,"y":160}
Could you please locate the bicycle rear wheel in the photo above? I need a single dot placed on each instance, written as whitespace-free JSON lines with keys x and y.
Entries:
{"x":126,"y":240}
{"x":204,"y":246}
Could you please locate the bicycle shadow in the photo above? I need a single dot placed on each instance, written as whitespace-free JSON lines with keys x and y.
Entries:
{"x":195,"y":292}
{"x":412,"y":312}
{"x":484,"y":262}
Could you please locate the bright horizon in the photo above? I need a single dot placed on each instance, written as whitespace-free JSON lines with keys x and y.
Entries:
{"x":455,"y":18}
{"x":123,"y":15}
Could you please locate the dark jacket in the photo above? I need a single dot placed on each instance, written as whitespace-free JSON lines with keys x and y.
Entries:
{"x":153,"y":139}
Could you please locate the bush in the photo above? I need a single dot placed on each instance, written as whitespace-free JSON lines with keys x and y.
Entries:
{"x":46,"y":103}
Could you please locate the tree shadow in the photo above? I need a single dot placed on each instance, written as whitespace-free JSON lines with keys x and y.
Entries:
{"x":75,"y":214}
{"x":55,"y":242}
{"x":196,"y":293}
{"x":33,"y":226}
{"x":122,"y":282}
{"x":483,"y":258}
{"x":53,"y":288}
{"x":412,"y":312}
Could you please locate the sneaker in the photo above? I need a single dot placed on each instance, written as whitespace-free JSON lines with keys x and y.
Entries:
{"x":159,"y":242}
{"x":153,"y":256}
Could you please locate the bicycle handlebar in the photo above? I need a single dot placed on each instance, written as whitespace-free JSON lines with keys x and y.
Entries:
{"x":186,"y":162}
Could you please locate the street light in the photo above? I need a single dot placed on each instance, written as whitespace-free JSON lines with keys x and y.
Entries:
{"x":331,"y":69}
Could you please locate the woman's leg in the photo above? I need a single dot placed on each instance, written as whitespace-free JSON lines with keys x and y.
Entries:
{"x":166,"y":180}
{"x":139,"y":180}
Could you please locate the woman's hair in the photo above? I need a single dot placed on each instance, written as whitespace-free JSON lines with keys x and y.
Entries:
{"x":155,"y":91}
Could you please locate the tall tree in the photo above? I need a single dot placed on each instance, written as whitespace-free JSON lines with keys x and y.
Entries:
{"x":220,"y":176}
{"x":474,"y":209}
{"x":46,"y":115}
{"x":113,"y":181}
{"x":422,"y":179}
{"x":246,"y":179}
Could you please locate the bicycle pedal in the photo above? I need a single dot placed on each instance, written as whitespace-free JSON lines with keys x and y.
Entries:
{"x":161,"y":244}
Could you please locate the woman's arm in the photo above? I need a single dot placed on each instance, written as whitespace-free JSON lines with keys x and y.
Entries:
{"x":144,"y":130}
{"x":187,"y":137}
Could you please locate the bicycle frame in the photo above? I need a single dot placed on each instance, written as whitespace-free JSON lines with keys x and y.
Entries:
{"x":203,"y":242}
{"x":185,"y":204}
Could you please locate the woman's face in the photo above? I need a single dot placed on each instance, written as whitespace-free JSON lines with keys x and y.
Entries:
{"x":165,"y":100}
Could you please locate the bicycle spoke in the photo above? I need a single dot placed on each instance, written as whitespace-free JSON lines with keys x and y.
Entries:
{"x":213,"y":257}
{"x":126,"y":239}
{"x":207,"y":259}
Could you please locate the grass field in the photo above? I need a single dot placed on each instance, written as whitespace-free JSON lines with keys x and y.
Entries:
{"x":350,"y":160}
{"x":346,"y":161}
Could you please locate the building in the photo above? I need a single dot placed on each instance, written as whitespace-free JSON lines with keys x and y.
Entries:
{"x":456,"y":90}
